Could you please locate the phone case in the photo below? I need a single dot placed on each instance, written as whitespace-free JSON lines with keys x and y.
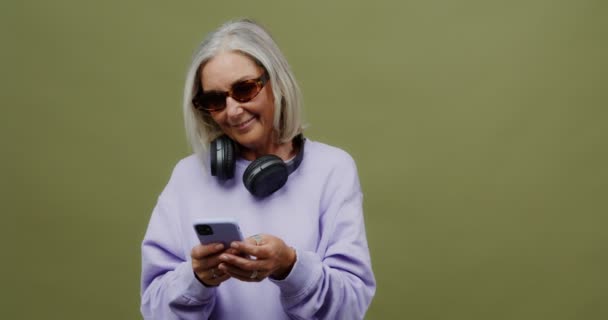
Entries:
{"x":222,"y":231}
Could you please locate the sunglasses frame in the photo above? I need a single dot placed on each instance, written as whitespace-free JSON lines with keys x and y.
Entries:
{"x":260,"y":82}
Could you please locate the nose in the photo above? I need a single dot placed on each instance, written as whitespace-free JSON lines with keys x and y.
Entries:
{"x":233,"y":107}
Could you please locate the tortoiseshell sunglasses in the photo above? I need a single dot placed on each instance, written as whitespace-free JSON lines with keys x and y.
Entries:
{"x":241,"y":91}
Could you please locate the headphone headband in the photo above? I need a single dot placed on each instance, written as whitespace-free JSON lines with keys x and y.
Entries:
{"x":293,"y":164}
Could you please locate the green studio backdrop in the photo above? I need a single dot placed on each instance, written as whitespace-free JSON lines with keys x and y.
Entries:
{"x":479,"y":129}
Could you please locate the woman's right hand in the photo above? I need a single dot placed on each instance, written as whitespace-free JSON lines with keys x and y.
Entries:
{"x":205,"y":259}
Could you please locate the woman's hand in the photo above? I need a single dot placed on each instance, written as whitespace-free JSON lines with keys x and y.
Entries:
{"x":258,"y":257}
{"x":205,"y":261}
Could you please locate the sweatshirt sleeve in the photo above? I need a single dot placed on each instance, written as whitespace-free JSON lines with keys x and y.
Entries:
{"x":169,"y":289}
{"x":337,"y":281}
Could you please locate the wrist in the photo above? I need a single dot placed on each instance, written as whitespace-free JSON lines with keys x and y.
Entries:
{"x":203,"y":282}
{"x":284,"y":270}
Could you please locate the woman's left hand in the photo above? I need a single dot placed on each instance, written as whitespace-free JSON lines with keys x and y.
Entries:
{"x":258,"y":257}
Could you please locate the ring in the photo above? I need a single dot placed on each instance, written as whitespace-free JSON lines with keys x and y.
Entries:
{"x":254,"y":274}
{"x":257,"y":238}
{"x":213,"y":275}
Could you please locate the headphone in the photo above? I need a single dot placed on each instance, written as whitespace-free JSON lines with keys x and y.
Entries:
{"x":263,"y":176}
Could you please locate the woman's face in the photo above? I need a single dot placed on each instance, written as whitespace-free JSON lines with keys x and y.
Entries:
{"x":248,"y":123}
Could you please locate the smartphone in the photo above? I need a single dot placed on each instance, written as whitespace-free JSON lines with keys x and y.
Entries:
{"x":223,"y":230}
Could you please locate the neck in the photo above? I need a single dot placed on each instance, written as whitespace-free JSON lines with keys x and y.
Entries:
{"x":284,"y":151}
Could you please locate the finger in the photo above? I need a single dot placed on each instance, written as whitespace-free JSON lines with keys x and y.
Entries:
{"x":213,"y":278}
{"x":255,"y":240}
{"x":201,"y":251}
{"x":234,"y":271}
{"x":232,"y":251}
{"x":250,"y":247}
{"x":222,"y":278}
{"x":216,"y":272}
{"x":243,"y":275}
{"x":211,"y":274}
{"x":206,"y":263}
{"x":235,"y":252}
{"x":241,"y":262}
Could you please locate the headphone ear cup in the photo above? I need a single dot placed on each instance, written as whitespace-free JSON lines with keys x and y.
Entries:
{"x":222,"y":159}
{"x":265,"y":175}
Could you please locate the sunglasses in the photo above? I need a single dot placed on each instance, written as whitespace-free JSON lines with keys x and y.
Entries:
{"x":242,"y":91}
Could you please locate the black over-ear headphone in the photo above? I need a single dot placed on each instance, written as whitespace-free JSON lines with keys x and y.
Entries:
{"x":263,"y":176}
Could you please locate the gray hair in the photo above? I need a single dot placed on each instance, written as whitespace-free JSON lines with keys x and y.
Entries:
{"x":247,"y":37}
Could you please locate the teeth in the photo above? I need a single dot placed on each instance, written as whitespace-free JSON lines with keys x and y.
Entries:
{"x":244,"y":122}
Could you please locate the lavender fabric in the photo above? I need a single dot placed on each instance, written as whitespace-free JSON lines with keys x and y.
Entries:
{"x":318,"y":212}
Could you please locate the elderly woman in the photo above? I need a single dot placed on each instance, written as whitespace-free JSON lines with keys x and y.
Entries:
{"x":309,"y":257}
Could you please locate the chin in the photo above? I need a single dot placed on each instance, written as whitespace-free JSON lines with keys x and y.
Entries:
{"x":254,"y":138}
{"x":249,"y":140}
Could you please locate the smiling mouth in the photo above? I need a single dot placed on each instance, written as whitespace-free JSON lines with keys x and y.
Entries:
{"x":244,"y":123}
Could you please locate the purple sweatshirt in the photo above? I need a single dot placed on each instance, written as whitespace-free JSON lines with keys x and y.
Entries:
{"x":318,"y":212}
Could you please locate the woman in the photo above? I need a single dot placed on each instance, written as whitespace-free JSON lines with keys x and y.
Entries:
{"x":309,"y":257}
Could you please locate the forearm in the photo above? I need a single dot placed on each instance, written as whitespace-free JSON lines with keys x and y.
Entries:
{"x":322,"y":290}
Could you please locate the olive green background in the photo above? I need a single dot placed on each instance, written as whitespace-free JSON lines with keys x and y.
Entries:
{"x":479,"y":129}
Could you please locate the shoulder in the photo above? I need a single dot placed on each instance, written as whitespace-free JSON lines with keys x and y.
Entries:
{"x":334,"y":169}
{"x":193,"y":161}
{"x":189,"y":163}
{"x":326,"y":151}
{"x":188,"y":168}
{"x":325,"y":156}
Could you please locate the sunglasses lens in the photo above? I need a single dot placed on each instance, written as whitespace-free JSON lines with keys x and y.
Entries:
{"x":212,"y":101}
{"x":245,"y":91}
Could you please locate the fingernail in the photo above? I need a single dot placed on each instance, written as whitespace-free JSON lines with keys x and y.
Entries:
{"x":219,"y":246}
{"x":234,"y":245}
{"x":223,"y":257}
